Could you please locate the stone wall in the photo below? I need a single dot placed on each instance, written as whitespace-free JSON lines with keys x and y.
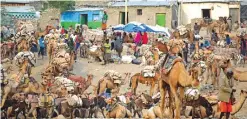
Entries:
{"x":49,"y":17}
{"x":148,"y":15}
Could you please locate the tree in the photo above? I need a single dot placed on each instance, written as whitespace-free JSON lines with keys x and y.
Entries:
{"x":62,"y":5}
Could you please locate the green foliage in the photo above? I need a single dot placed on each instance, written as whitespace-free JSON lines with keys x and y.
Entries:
{"x":62,"y":5}
{"x":6,"y":19}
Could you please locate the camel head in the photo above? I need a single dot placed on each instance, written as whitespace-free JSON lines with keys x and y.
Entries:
{"x":194,"y":72}
{"x":225,"y":63}
{"x":90,"y":76}
{"x":243,"y":93}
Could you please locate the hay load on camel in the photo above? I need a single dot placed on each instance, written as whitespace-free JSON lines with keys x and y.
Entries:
{"x":126,"y":71}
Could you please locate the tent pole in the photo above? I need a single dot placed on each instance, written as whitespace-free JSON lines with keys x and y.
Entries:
{"x":126,"y":10}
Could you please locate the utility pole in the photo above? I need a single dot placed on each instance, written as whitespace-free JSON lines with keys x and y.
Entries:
{"x":126,"y":12}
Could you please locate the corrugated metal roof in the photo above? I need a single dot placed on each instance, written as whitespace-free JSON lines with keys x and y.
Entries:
{"x":15,"y":1}
{"x":197,"y":1}
{"x":87,"y":9}
{"x":20,"y":9}
{"x":142,"y":3}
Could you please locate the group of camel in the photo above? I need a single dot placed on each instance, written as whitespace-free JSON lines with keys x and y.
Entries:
{"x":57,"y":82}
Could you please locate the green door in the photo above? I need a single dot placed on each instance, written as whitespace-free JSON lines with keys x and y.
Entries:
{"x":84,"y":19}
{"x":161,"y":19}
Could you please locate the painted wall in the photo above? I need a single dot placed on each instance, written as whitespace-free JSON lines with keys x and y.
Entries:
{"x":148,"y":15}
{"x":194,"y":10}
{"x":69,"y":18}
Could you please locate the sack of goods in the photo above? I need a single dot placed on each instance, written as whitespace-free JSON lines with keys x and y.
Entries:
{"x":68,"y":84}
{"x":19,"y":58}
{"x":192,"y":94}
{"x":93,"y":48}
{"x":127,"y":59}
{"x":113,"y":74}
{"x":148,"y":71}
{"x":46,"y":100}
{"x":74,"y":101}
{"x":182,"y":30}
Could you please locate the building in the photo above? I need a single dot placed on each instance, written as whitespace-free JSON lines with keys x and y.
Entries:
{"x":190,"y":9}
{"x":147,"y":12}
{"x":21,"y":12}
{"x":14,"y":3}
{"x":89,"y":16}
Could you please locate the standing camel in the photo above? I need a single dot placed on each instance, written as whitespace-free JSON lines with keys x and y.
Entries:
{"x":139,"y":78}
{"x":178,"y":77}
{"x":237,"y":75}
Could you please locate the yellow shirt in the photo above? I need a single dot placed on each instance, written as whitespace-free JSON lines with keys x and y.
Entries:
{"x":107,"y":48}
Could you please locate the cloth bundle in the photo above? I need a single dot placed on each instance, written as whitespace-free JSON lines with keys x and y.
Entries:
{"x":148,"y":71}
{"x":127,"y":59}
{"x":68,"y":84}
{"x":74,"y":101}
{"x":114,"y":75}
{"x":93,"y":48}
{"x":19,"y":58}
{"x":192,"y":94}
{"x":182,"y":30}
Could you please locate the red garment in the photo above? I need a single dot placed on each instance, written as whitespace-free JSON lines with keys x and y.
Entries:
{"x":62,"y":31}
{"x":145,"y":38}
{"x":226,"y":106}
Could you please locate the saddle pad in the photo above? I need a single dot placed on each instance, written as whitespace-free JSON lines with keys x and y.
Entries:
{"x":169,"y":64}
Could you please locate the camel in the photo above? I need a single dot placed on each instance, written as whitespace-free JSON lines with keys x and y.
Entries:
{"x":213,"y":70}
{"x":107,"y":82}
{"x":33,"y":87}
{"x":161,"y":46}
{"x":209,"y":26}
{"x":138,"y":77}
{"x":117,"y":111}
{"x":23,"y":45}
{"x":235,"y":107}
{"x":178,"y":77}
{"x":97,"y":54}
{"x":237,"y":75}
{"x":155,"y":112}
{"x":84,"y":84}
{"x":8,"y":50}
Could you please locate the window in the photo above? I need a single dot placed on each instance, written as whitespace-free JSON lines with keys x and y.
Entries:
{"x":95,"y":17}
{"x":139,"y":11}
{"x":206,"y":13}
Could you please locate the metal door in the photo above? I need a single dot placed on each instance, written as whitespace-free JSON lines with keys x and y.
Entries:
{"x":234,"y":12}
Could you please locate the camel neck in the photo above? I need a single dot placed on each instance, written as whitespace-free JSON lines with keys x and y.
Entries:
{"x":236,"y":107}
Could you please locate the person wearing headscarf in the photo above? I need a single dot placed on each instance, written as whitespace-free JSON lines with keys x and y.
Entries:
{"x":138,"y":38}
{"x":243,"y":47}
{"x":145,"y":38}
{"x":226,"y":94}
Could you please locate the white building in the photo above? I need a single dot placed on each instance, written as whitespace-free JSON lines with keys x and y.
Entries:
{"x":190,"y":9}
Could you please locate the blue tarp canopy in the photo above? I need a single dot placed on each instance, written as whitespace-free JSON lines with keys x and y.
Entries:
{"x":136,"y":27}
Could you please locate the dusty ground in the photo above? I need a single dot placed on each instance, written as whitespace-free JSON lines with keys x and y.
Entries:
{"x":82,"y":67}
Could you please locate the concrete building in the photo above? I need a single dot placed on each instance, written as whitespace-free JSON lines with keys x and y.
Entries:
{"x":190,"y":9}
{"x":92,"y":17}
{"x":147,"y":12}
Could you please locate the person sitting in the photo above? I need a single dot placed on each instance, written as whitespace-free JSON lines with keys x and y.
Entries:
{"x":228,"y":40}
